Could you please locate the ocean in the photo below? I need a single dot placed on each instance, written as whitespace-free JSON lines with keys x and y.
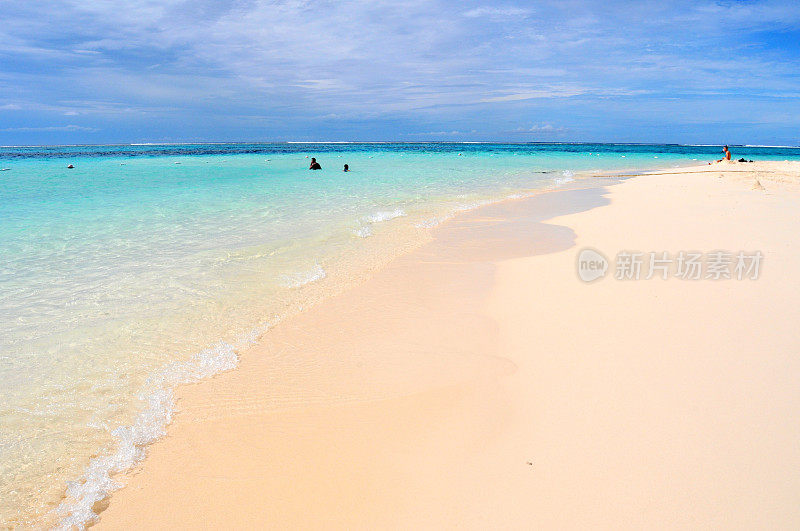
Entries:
{"x":148,"y":266}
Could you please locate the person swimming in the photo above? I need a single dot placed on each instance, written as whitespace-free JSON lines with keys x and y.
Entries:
{"x":346,"y":168}
{"x":314,"y":164}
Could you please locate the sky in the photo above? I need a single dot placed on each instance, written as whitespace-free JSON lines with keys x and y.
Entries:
{"x":109,"y":71}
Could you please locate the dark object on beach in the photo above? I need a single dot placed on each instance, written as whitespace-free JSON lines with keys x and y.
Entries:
{"x":346,"y":168}
{"x":744,"y":160}
{"x":70,"y":166}
{"x":314,"y":165}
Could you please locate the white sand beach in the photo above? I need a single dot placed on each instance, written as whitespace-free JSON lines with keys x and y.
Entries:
{"x":479,"y":383}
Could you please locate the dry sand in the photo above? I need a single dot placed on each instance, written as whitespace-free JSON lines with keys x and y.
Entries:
{"x":478,"y":383}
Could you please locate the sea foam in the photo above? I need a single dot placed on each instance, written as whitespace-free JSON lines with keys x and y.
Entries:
{"x":364,"y":231}
{"x":567,"y":176}
{"x":150,"y":424}
{"x":385,"y":215}
{"x":301,"y":278}
{"x":435,"y":221}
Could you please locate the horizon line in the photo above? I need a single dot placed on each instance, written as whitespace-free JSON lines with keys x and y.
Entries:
{"x":393,"y":142}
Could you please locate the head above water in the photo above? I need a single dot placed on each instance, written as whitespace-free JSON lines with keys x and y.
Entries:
{"x":346,"y":167}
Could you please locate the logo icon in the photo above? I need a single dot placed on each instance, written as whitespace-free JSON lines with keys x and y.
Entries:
{"x":591,"y":265}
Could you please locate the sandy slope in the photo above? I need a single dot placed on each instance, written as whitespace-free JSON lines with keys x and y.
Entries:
{"x":479,"y":383}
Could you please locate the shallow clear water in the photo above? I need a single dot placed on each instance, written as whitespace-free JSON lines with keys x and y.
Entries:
{"x":147,"y":266}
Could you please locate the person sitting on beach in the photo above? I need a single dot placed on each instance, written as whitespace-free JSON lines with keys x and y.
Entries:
{"x":346,"y":168}
{"x":314,"y":165}
{"x":727,"y":154}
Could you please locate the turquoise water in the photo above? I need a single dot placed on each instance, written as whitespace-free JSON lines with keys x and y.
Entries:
{"x":148,"y":266}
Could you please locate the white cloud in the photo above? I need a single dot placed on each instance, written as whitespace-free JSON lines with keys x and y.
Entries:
{"x":539,"y":128}
{"x":500,"y":12}
{"x":554,"y":92}
{"x":67,"y":128}
{"x":441,"y":133}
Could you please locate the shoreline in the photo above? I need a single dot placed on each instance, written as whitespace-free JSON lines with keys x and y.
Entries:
{"x":441,"y":383}
{"x":150,"y":423}
{"x":437,"y":292}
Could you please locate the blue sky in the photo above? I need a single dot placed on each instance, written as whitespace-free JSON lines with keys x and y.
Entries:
{"x":571,"y":70}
